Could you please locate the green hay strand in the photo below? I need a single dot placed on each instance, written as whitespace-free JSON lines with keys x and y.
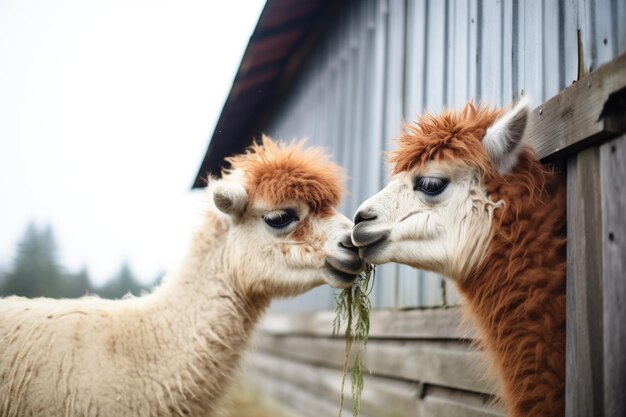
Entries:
{"x":353,"y":309}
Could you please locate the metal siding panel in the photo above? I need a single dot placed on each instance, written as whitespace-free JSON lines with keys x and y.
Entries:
{"x":604,"y":39}
{"x":434,"y":81}
{"x":310,"y":301}
{"x":387,"y":284}
{"x":585,"y":25}
{"x":452,"y":297}
{"x":320,"y":117}
{"x":394,"y":116}
{"x":415,"y":49}
{"x":599,"y":20}
{"x":333,"y":114}
{"x":506,"y":62}
{"x":328,"y":88}
{"x":352,"y":138}
{"x":312,"y":92}
{"x":339,"y":146}
{"x":339,"y":90}
{"x":569,"y":12}
{"x":359,"y":189}
{"x":331,"y":93}
{"x":431,"y":289}
{"x":532,"y":51}
{"x":490,"y":56}
{"x":408,"y":287}
{"x":370,"y":68}
{"x":552,"y":58}
{"x":394,"y":105}
{"x":458,"y":53}
{"x":472,"y":50}
{"x":376,"y":110}
{"x":394,"y":77}
{"x":620,"y":16}
{"x":518,"y":53}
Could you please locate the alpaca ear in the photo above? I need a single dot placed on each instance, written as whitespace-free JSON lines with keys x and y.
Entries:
{"x":230,"y":198}
{"x":503,"y":140}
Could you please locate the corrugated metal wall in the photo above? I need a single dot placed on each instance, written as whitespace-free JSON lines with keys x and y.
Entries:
{"x":383,"y":61}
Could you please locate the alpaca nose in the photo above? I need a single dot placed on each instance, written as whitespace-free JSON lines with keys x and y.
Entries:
{"x":346,"y":243}
{"x":364,"y":215}
{"x":347,"y":259}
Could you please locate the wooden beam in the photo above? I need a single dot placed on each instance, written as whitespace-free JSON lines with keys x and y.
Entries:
{"x":585,"y":113}
{"x":613,"y":179}
{"x":584,"y":395}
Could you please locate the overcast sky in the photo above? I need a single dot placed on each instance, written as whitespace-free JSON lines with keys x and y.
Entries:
{"x":106,"y":110}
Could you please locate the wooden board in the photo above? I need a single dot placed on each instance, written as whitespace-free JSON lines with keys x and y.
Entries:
{"x":444,"y":402}
{"x":449,"y":364}
{"x":584,"y":286}
{"x":574,"y":118}
{"x":613,"y":179}
{"x":381,"y":396}
{"x":385,"y":324}
{"x":300,"y":402}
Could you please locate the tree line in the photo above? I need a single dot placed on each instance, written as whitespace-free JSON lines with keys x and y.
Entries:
{"x":37,"y":272}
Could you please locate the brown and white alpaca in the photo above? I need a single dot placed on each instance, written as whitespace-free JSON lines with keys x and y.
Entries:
{"x":272,"y":230}
{"x":469,"y":200}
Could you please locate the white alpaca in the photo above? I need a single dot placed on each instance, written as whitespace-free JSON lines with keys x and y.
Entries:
{"x":271,"y":231}
{"x":469,"y":200}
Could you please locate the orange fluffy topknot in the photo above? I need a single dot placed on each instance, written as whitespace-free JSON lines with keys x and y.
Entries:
{"x":279,"y":173}
{"x":453,"y":135}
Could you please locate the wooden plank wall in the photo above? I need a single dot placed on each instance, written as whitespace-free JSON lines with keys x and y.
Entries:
{"x":378,"y":64}
{"x":419,"y":363}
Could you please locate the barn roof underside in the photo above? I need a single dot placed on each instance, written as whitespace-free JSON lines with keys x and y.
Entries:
{"x":275,"y":51}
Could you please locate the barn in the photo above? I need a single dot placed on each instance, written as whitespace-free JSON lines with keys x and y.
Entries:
{"x":346,"y":75}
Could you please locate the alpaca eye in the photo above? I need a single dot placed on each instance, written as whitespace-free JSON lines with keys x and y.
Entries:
{"x":431,"y":185}
{"x":280,"y":218}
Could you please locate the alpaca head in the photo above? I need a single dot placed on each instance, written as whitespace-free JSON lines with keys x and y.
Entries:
{"x":436,"y":212}
{"x":284,"y":234}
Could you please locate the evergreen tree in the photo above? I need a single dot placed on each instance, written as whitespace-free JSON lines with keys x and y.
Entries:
{"x":36,"y":271}
{"x":121,"y":284}
{"x":77,"y":285}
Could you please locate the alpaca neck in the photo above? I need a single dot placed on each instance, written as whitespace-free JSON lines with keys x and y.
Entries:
{"x":207,"y":322}
{"x":517,"y":295}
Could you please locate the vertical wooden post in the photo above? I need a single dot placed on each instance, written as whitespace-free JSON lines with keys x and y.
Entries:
{"x":613,"y":179}
{"x":584,"y":367}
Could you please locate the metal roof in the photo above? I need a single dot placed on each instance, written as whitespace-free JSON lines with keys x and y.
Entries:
{"x":274,"y":52}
